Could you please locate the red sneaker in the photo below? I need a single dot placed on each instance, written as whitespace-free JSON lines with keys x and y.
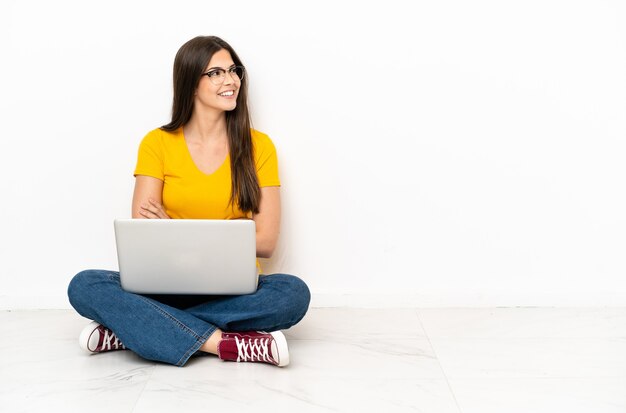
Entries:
{"x":96,"y":338}
{"x":257,"y":346}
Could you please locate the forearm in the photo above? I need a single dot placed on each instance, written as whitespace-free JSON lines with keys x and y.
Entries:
{"x":268,"y":222}
{"x":265,"y":246}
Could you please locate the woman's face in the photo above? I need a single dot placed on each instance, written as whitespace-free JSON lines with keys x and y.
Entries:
{"x":223,"y":96}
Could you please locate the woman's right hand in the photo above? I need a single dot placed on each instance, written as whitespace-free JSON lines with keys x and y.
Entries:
{"x":152,"y":210}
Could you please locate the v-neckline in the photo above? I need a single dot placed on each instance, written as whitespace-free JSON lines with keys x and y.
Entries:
{"x":190,"y":158}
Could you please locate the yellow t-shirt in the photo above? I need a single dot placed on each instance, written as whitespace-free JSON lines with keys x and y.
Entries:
{"x":189,"y":193}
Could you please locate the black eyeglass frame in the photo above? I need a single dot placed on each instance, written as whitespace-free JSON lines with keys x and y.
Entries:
{"x":214,"y":74}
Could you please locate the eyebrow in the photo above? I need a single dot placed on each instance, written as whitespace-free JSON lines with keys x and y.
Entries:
{"x":217,"y":67}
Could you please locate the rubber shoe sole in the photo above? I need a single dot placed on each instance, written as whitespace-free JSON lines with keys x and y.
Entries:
{"x":281,"y":346}
{"x":85,"y":336}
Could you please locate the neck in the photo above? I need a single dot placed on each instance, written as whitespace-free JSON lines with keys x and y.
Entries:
{"x":206,"y":128}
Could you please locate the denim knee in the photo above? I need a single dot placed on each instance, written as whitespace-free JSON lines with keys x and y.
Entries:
{"x":83,"y":285}
{"x":78,"y":286}
{"x":295,"y":297}
{"x":301,"y":296}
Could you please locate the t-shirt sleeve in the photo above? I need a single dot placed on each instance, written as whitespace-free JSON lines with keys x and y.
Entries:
{"x":266,"y":161}
{"x":150,"y":156}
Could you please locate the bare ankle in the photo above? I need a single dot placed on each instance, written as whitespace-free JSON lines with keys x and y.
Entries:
{"x":210,"y":346}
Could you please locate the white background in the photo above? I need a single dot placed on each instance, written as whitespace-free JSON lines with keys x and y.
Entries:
{"x":445,"y":153}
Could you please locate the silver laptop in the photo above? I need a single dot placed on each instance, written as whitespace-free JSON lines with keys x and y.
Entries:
{"x":187,"y":256}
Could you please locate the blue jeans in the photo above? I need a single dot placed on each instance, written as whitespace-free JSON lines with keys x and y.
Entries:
{"x":171,"y":328}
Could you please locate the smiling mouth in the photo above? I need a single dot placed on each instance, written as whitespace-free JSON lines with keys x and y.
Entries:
{"x":227,"y":93}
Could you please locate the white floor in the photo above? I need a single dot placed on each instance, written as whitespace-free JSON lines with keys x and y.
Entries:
{"x":343,"y":360}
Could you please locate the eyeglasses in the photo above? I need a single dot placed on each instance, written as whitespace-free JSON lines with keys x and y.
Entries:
{"x":218,"y":75}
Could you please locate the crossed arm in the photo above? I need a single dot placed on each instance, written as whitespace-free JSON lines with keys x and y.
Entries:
{"x":148,"y":204}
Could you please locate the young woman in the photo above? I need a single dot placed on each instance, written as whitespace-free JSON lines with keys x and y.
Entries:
{"x":207,"y":163}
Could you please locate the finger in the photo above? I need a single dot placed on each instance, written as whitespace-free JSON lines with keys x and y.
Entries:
{"x":152,"y":206}
{"x":156,"y":205}
{"x":148,"y":213}
{"x":158,"y":209}
{"x":148,"y":208}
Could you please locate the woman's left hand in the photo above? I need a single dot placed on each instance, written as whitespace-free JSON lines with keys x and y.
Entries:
{"x":153,"y":210}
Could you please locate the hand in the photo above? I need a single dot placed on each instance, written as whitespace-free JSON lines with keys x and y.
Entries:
{"x":152,"y":210}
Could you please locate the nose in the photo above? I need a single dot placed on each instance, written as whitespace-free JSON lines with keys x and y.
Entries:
{"x":229,"y":78}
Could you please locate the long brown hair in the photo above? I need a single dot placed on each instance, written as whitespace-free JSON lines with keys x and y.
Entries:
{"x":190,"y":62}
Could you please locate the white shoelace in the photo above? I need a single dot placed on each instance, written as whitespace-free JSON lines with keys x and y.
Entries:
{"x":256,"y":349}
{"x":111,"y":339}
